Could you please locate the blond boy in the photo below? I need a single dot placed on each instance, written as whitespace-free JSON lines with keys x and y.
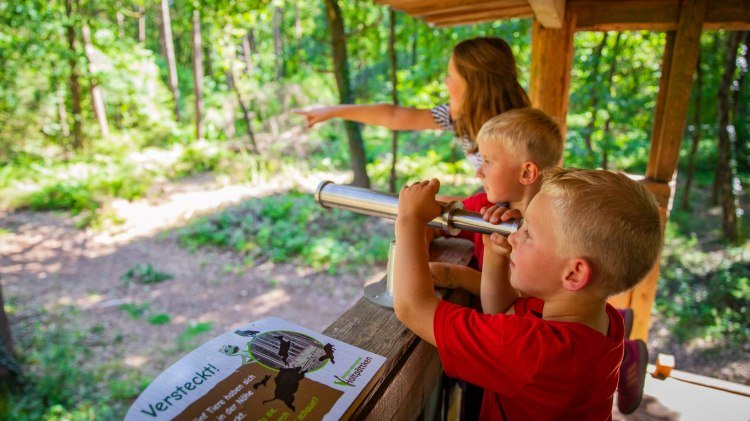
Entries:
{"x":587,"y":235}
{"x":515,"y":147}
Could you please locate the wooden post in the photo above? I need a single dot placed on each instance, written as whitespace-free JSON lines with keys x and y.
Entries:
{"x":678,"y":65}
{"x":551,"y":62}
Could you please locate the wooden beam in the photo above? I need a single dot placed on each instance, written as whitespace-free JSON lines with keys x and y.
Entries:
{"x":549,"y":13}
{"x":644,"y":293}
{"x":678,"y":65}
{"x":458,"y":7}
{"x":452,"y":19}
{"x":654,"y":15}
{"x":551,"y":62}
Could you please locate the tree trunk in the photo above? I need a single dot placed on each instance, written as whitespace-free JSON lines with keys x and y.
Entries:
{"x":341,"y":70}
{"x":278,"y":17}
{"x":685,"y":204}
{"x":394,"y":94}
{"x":726,"y":133}
{"x":739,"y":140}
{"x":142,"y":24}
{"x":594,"y":94}
{"x":247,"y":53}
{"x":245,"y":113}
{"x":198,"y":74}
{"x":62,"y":114}
{"x":608,"y":122}
{"x":97,"y":98}
{"x":297,"y":27}
{"x":120,"y":24}
{"x":9,"y":367}
{"x":75,"y":87}
{"x":716,"y":187}
{"x":168,"y":45}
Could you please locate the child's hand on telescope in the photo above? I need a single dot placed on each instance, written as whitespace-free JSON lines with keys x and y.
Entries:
{"x":498,"y":243}
{"x":418,"y":201}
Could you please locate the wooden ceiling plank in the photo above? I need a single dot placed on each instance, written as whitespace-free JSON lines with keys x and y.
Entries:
{"x":549,"y":13}
{"x":483,"y":16}
{"x":463,"y":9}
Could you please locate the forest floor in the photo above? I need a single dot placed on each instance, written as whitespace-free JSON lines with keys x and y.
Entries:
{"x":48,"y":267}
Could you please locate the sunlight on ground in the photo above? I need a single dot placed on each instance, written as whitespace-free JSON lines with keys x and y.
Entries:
{"x":143,"y":218}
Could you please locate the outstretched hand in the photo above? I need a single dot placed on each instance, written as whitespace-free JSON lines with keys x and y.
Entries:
{"x":498,"y":243}
{"x":315,"y":115}
{"x":418,"y":201}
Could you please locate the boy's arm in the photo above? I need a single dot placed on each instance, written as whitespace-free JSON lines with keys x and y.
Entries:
{"x":413,"y":293}
{"x":449,"y":275}
{"x":497,"y":294}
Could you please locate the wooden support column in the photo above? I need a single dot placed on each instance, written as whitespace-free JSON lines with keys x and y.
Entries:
{"x":678,"y":65}
{"x":551,"y":62}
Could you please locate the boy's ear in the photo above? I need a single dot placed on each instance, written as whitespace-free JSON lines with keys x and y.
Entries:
{"x":578,"y":274}
{"x":530,"y":173}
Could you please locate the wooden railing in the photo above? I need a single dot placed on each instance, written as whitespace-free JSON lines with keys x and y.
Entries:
{"x":412,"y":369}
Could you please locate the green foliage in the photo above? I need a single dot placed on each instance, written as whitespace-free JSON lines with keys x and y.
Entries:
{"x":159,"y":319}
{"x":291,"y":226}
{"x":54,"y":384}
{"x":188,"y":337}
{"x":145,"y":274}
{"x":700,"y":297}
{"x":135,"y":311}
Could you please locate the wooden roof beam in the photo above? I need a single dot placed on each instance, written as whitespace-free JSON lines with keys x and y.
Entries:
{"x":654,"y":15}
{"x":549,"y":13}
{"x":451,"y":19}
{"x":455,"y":7}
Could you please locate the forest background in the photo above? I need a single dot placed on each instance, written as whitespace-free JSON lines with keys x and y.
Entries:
{"x":107,"y":100}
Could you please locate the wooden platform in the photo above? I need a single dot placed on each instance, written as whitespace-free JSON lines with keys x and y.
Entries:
{"x":686,"y":396}
{"x":412,"y":369}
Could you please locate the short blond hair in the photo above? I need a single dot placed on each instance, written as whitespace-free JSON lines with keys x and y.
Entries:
{"x":607,"y":218}
{"x":529,"y":132}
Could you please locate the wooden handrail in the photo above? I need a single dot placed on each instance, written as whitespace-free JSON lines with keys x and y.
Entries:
{"x":412,"y":368}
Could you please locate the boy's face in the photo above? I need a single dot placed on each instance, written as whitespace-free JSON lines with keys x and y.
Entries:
{"x":536,"y":268}
{"x":500,"y":172}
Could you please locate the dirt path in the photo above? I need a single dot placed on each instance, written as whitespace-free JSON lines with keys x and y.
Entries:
{"x":49,"y":264}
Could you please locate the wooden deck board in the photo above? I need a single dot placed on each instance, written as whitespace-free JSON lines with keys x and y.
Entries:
{"x":678,"y":397}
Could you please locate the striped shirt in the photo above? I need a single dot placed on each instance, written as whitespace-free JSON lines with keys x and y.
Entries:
{"x":442,"y":116}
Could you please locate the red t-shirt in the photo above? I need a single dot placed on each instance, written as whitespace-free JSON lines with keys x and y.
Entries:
{"x":530,"y":368}
{"x":474,"y":204}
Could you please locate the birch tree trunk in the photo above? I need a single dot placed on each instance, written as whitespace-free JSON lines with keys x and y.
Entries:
{"x":198,"y":74}
{"x":97,"y":97}
{"x":728,"y":198}
{"x":168,"y":45}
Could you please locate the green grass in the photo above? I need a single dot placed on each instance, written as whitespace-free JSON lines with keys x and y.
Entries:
{"x":704,"y":286}
{"x":145,"y":274}
{"x":56,"y":386}
{"x":159,"y":319}
{"x":291,"y":228}
{"x":135,"y":311}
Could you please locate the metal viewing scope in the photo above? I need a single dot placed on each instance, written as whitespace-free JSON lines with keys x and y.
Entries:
{"x":453,"y":218}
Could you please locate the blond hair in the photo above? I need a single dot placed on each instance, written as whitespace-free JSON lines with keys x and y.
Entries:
{"x":607,"y":218}
{"x":489,"y":69}
{"x":530,"y":133}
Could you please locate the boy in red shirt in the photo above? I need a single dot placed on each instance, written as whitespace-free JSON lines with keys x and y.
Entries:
{"x":555,"y":353}
{"x":516,"y":147}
